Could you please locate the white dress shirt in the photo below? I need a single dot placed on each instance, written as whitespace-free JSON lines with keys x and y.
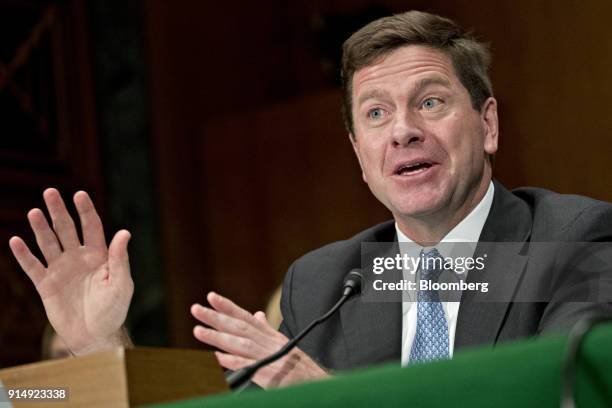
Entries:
{"x":468,"y":230}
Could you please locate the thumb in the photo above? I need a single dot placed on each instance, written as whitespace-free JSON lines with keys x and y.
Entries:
{"x":118,"y":259}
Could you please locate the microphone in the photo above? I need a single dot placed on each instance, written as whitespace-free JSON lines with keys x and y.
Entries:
{"x":351,"y":286}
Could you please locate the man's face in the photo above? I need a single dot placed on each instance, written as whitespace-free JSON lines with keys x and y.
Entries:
{"x":421,"y":145}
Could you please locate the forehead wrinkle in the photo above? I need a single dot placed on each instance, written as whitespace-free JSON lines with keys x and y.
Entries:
{"x":406,"y":64}
{"x":398,"y":61}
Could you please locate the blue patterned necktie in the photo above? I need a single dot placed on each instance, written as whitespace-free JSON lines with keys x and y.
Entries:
{"x":431,"y":338}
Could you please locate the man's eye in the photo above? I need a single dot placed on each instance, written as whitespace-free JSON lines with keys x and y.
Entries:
{"x":376,"y":113}
{"x":430,"y":103}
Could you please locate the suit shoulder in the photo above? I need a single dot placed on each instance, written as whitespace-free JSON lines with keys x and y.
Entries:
{"x":312,"y":283}
{"x":383,"y":232}
{"x":341,"y":256}
{"x":559,"y":214}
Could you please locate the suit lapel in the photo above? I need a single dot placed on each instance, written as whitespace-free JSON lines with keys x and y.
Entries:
{"x":373,"y":330}
{"x":481,"y":315}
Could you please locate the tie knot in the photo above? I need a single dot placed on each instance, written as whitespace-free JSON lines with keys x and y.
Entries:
{"x":432,"y":264}
{"x":430,"y":253}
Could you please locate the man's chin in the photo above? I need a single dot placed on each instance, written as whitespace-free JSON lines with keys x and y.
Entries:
{"x":417,"y":210}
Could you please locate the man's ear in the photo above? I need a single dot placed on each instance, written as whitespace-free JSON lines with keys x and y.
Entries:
{"x":354,"y":143}
{"x":490,"y":125}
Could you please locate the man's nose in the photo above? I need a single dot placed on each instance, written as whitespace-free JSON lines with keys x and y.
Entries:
{"x":406,"y":130}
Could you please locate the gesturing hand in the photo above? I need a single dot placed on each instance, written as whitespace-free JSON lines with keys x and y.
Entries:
{"x":246,"y":338}
{"x":86,"y":289}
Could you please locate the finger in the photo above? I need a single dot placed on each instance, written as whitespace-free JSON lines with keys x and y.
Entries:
{"x":229,"y":343}
{"x":93,"y":231}
{"x":270,"y":375}
{"x":45,"y":237}
{"x":28,"y":262}
{"x":261,"y":317}
{"x":228,"y":324}
{"x":226,"y":306}
{"x":232,"y":362}
{"x":62,"y":221}
{"x":118,"y":259}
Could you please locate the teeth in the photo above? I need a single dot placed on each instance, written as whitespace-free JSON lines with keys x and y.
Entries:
{"x":412,"y":167}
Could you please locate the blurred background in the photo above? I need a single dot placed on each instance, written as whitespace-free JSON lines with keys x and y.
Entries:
{"x":212,"y":131}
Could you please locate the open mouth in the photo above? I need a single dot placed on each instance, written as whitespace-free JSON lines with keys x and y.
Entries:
{"x":413,"y":168}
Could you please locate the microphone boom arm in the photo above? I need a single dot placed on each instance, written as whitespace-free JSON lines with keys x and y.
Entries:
{"x":352,"y":285}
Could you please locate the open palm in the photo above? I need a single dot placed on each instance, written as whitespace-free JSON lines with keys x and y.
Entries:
{"x":86,"y":288}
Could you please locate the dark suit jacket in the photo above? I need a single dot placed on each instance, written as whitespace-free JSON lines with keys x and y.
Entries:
{"x":366,"y":333}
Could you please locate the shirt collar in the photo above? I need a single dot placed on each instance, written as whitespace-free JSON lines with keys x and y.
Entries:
{"x":468,"y":229}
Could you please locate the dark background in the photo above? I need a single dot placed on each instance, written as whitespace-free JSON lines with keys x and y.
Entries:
{"x":212,"y":131}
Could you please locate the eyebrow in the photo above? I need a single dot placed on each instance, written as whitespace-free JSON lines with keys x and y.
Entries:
{"x":372,"y":94}
{"x":429,"y":81}
{"x":417,"y":89}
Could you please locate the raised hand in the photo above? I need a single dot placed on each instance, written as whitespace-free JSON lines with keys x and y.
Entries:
{"x":86,"y":288}
{"x":246,"y":338}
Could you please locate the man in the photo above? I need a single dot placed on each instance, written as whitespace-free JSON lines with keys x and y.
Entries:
{"x":423,"y":124}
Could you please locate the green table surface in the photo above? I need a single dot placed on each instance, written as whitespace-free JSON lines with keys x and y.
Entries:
{"x":521,"y":374}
